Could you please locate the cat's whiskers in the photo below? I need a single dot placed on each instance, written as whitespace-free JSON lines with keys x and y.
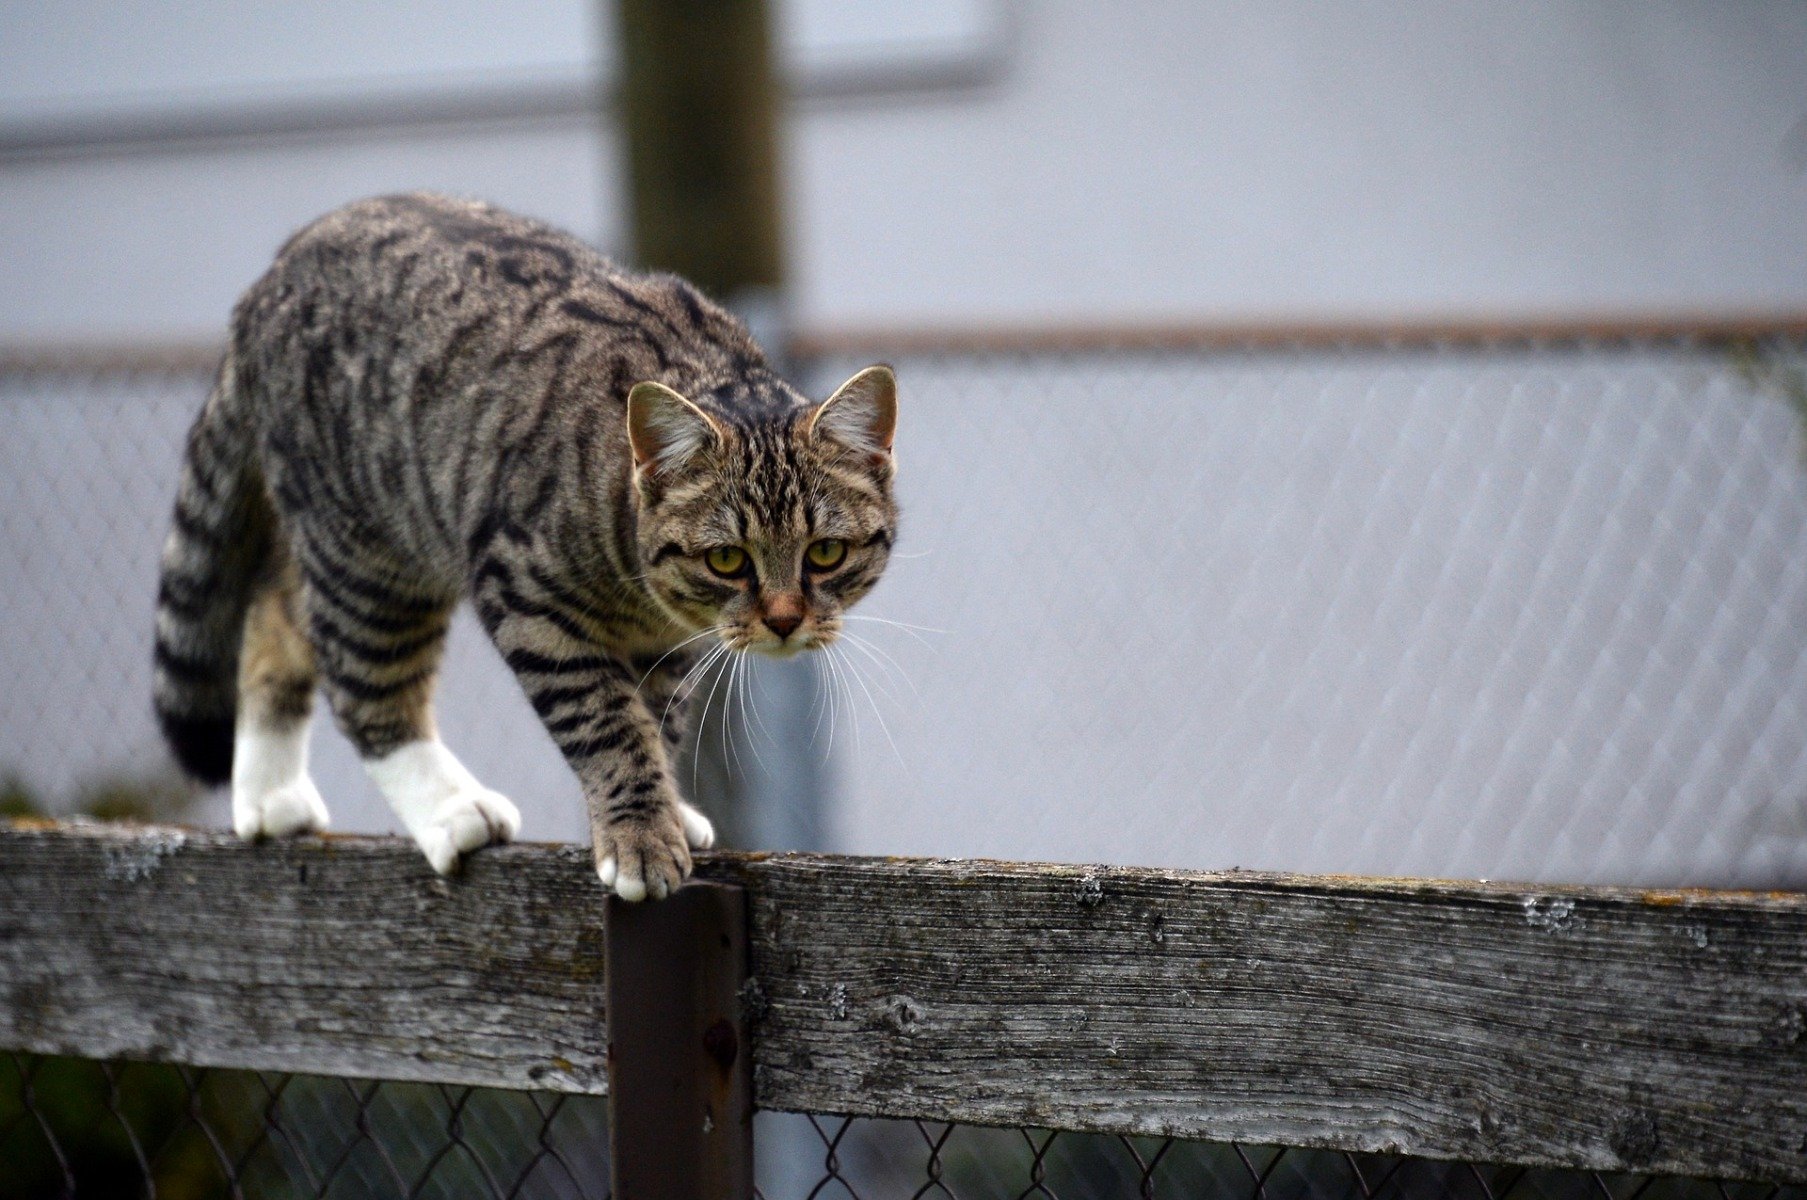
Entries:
{"x":889,"y":621}
{"x":702,"y":720}
{"x":834,"y":699}
{"x":842,"y":674}
{"x":889,"y":665}
{"x":730,"y":748}
{"x":697,"y":672}
{"x":693,"y":637}
{"x":749,"y":686}
{"x":818,"y":706}
{"x":730,"y":744}
{"x":681,"y":693}
{"x":740,"y":694}
{"x":828,"y":682}
{"x":859,"y":678}
{"x":881,"y":683}
{"x":743,"y":668}
{"x":915,"y":631}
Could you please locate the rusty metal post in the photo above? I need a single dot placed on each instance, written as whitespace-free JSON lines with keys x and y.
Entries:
{"x":680,"y":1069}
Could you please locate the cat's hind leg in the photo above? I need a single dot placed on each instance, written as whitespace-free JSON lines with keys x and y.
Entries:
{"x":379,"y":642}
{"x":272,"y":794}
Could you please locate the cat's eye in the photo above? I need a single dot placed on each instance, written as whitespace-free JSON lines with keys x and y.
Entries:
{"x":826,"y":554}
{"x":727,"y":561}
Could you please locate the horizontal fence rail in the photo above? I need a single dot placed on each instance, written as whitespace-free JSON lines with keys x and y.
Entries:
{"x":1607,"y":1029}
{"x":808,"y":344}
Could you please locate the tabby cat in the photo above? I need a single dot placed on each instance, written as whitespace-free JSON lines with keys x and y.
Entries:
{"x":426,"y":399}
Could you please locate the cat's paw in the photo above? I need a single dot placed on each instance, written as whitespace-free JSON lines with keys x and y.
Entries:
{"x":441,"y":805}
{"x":697,"y":829}
{"x":288,"y":808}
{"x":644,"y":859}
{"x":464,"y":821}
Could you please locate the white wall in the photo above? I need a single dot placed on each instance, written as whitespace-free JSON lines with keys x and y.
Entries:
{"x":1254,"y":158}
{"x":1087,"y":162}
{"x":111,"y":233}
{"x":160,"y":245}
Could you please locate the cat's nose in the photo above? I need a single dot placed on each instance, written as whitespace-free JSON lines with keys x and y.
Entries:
{"x":783,"y":614}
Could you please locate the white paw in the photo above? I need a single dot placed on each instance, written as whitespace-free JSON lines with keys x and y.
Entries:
{"x":643,"y":859}
{"x":288,"y":808}
{"x":460,"y":823}
{"x":441,"y":805}
{"x":697,"y":829}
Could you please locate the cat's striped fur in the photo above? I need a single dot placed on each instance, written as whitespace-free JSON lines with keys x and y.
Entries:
{"x":427,"y":399}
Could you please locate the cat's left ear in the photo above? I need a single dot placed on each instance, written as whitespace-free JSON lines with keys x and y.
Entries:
{"x":862,"y":414}
{"x":665,"y":429}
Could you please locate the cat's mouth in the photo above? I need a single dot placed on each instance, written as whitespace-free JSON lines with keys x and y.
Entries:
{"x":767,"y":642}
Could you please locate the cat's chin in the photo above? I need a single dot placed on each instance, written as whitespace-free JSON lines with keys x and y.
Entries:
{"x":789,"y":648}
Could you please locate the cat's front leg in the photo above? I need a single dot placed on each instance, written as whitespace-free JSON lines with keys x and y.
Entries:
{"x":589,"y":702}
{"x":662,"y":688}
{"x":641,"y":830}
{"x":636,"y":817}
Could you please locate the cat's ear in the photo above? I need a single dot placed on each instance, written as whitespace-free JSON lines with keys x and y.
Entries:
{"x":862,"y":414}
{"x":665,"y":429}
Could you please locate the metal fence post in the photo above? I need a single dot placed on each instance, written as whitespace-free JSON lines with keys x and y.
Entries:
{"x":680,"y":1066}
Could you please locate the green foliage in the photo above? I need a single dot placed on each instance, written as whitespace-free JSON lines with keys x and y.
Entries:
{"x":1780,"y":372}
{"x":149,"y":798}
{"x":16,"y":799}
{"x":117,"y":796}
{"x":108,"y":1128}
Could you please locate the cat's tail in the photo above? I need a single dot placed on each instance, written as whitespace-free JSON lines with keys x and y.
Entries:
{"x":217,"y":549}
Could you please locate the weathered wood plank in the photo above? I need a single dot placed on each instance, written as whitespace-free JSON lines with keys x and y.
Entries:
{"x":336,"y":956}
{"x":1607,"y":1029}
{"x":1602,"y":1028}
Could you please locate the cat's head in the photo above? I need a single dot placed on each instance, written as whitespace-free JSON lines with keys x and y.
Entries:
{"x":765,"y":523}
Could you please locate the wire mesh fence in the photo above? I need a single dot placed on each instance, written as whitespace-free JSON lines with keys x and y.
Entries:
{"x":1526,"y":611}
{"x":72,"y":1127}
{"x":1522,"y":611}
{"x":882,"y":1158}
{"x":1533,"y":610}
{"x":78,"y":1128}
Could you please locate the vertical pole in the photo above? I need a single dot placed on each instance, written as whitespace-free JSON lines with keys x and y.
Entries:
{"x":700,"y":102}
{"x":700,"y":97}
{"x":680,"y":1065}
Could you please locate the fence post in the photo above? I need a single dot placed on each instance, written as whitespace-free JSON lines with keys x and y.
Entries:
{"x":680,"y":1066}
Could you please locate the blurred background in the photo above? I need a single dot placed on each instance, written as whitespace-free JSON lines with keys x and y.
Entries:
{"x":1334,"y":438}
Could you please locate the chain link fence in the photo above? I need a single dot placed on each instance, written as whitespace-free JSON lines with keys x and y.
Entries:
{"x":1526,"y":611}
{"x":1531,"y":611}
{"x":71,"y":1127}
{"x":75,"y":1128}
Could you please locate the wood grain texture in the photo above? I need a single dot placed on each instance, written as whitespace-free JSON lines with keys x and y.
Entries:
{"x":1604,"y":1028}
{"x":1607,"y":1029}
{"x":335,"y":956}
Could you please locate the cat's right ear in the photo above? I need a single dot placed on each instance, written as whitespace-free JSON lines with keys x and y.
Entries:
{"x":862,"y":413}
{"x":665,"y":429}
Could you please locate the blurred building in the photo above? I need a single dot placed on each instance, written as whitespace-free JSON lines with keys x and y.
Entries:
{"x":1535,"y":611}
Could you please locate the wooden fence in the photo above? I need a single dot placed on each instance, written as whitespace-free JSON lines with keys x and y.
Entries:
{"x":1608,"y":1029}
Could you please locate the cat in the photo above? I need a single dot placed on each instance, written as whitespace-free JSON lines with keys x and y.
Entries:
{"x":427,"y":399}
